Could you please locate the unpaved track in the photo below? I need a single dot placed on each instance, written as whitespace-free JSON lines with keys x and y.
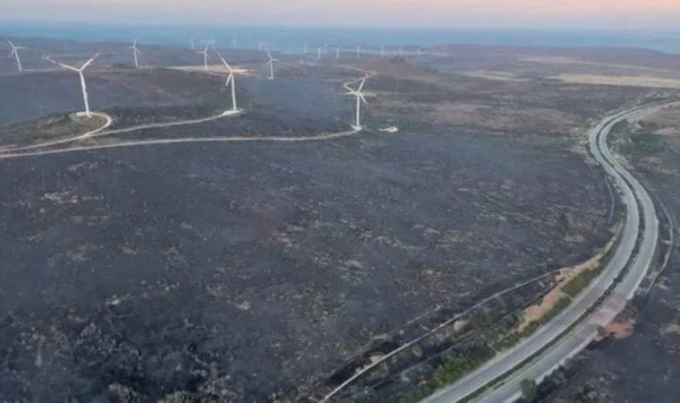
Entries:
{"x":107,"y":123}
{"x":321,"y":137}
{"x":13,"y":153}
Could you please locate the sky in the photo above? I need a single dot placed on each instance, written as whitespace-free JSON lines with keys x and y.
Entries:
{"x":624,"y":14}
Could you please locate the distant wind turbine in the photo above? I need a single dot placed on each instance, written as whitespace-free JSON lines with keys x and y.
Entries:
{"x":318,"y":53}
{"x":337,"y":52}
{"x":419,"y":52}
{"x":15,"y":53}
{"x":212,"y":43}
{"x":83,"y":84}
{"x":230,"y":80}
{"x":360,"y":96}
{"x":306,"y":48}
{"x":135,"y":53}
{"x":382,"y":50}
{"x":233,"y":43}
{"x":270,"y":63}
{"x":205,"y":56}
{"x":358,"y":51}
{"x":192,"y":44}
{"x":260,"y":46}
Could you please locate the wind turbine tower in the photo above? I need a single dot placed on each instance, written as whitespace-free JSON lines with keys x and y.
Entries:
{"x":337,"y":52}
{"x":205,"y":56}
{"x":318,"y":53}
{"x":83,"y":84}
{"x":270,"y":63}
{"x":192,"y":44}
{"x":360,"y":96}
{"x":358,"y":51}
{"x":382,"y":50}
{"x":15,"y":53}
{"x":306,"y":48}
{"x":135,"y":53}
{"x":233,"y":44}
{"x":230,"y":80}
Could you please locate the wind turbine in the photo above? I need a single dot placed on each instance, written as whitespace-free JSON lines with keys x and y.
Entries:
{"x":192,"y":43}
{"x":205,"y":56}
{"x":382,"y":50}
{"x":83,"y":84}
{"x":135,"y":52}
{"x":15,"y":54}
{"x":306,"y":48}
{"x":358,"y":51}
{"x":233,"y":43}
{"x":260,"y":46}
{"x":230,"y":80}
{"x":337,"y":52}
{"x":212,"y":43}
{"x":360,"y":95}
{"x":270,"y":63}
{"x":419,"y":52}
{"x":318,"y":53}
{"x":401,"y":51}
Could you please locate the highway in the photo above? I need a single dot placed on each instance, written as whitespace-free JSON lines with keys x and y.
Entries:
{"x":584,"y":332}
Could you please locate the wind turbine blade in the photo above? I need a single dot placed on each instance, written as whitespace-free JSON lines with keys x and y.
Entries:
{"x":10,"y":43}
{"x":225,"y":63}
{"x":361,"y":86}
{"x":66,"y":66}
{"x":89,"y":62}
{"x":229,"y":80}
{"x":269,"y":54}
{"x":362,"y":98}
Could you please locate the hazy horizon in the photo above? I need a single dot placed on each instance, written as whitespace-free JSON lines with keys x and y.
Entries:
{"x":574,"y":14}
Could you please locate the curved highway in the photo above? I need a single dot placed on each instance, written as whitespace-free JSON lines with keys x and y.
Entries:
{"x":638,"y":204}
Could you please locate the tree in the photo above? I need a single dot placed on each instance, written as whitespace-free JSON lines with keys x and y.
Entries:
{"x":529,"y":389}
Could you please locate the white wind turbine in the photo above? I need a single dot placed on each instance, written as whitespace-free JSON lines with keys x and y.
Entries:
{"x":205,"y":56}
{"x":83,"y":84}
{"x":361,"y":97}
{"x":318,"y":53}
{"x":337,"y":52}
{"x":382,"y":50}
{"x":230,"y":80}
{"x":192,"y":44}
{"x":260,"y":46}
{"x":233,"y":44}
{"x":306,"y":48}
{"x":135,"y":53}
{"x":358,"y":51}
{"x":270,"y":63}
{"x":15,"y":53}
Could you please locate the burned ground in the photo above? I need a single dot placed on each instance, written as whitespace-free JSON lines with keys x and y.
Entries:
{"x":267,"y":263}
{"x":241,"y":270}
